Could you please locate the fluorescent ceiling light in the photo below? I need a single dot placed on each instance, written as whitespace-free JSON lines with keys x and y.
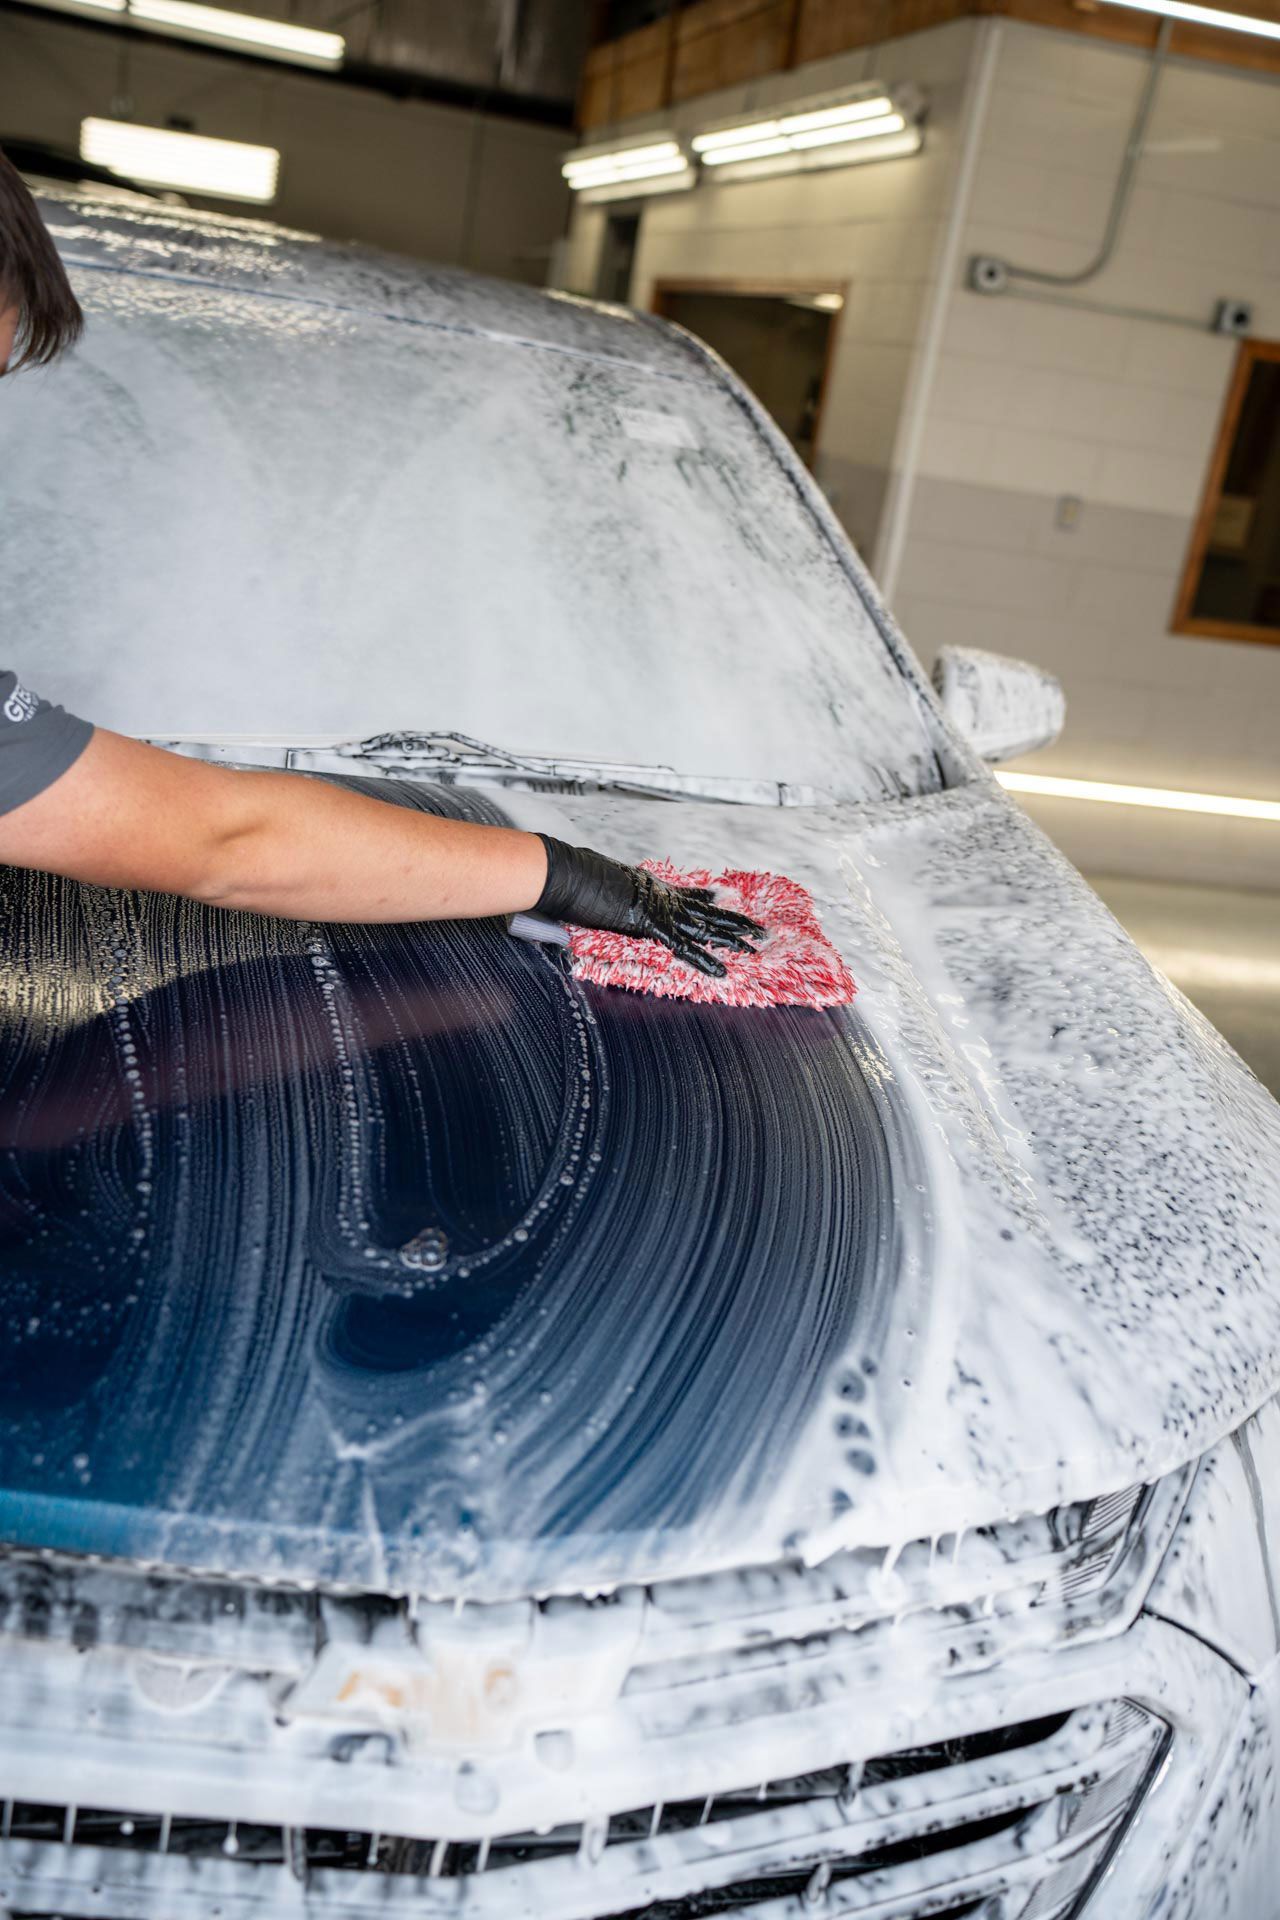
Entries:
{"x":745,"y":150}
{"x":797,"y":142}
{"x":586,"y":161}
{"x":1170,"y":798}
{"x":736,"y":136}
{"x":278,"y":38}
{"x":837,"y":116}
{"x":1205,"y":16}
{"x":651,"y":170}
{"x":749,"y":163}
{"x":639,"y":170}
{"x":219,"y":26}
{"x":829,"y":131}
{"x":159,"y":157}
{"x":865,"y":130}
{"x":609,"y":173}
{"x":792,"y":123}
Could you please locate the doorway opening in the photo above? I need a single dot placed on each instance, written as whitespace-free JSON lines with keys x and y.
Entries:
{"x":617,"y":257}
{"x":777,"y":337}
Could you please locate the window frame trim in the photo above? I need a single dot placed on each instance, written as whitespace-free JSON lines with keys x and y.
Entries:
{"x":1250,"y":352}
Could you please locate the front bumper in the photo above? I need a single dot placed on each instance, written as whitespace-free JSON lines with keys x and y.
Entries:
{"x":999,"y":1725}
{"x":1017,"y":1829}
{"x":1026,"y":1828}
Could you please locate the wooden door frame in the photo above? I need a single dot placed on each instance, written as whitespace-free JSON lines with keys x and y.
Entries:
{"x":763,"y":289}
{"x":1184,"y":621}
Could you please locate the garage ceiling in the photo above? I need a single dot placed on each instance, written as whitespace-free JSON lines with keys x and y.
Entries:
{"x":517,"y":54}
{"x":531,"y":47}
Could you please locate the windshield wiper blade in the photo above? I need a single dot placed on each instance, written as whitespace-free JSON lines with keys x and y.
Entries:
{"x":455,"y":759}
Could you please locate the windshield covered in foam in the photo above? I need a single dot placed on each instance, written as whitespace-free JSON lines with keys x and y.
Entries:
{"x":262,"y":508}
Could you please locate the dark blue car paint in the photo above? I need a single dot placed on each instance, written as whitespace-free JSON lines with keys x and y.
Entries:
{"x":361,"y":1253}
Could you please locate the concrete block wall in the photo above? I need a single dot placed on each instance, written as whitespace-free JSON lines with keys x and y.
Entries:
{"x":875,"y":228}
{"x":439,"y":182}
{"x":1031,"y":402}
{"x":1027,"y":403}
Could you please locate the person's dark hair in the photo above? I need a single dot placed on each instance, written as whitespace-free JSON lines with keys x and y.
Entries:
{"x":33,"y":279}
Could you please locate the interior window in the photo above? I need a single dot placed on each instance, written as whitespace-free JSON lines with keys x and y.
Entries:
{"x":1231,"y":589}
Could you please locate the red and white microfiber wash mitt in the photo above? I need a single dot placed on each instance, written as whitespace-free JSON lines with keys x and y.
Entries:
{"x":794,"y":965}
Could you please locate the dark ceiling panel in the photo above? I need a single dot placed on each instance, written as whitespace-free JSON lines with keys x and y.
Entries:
{"x":506,"y":54}
{"x":522,"y":46}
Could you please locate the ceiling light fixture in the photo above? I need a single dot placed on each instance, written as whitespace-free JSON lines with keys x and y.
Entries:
{"x":744,"y":150}
{"x":219,"y":26}
{"x":1173,"y":799}
{"x":785,"y":126}
{"x":159,"y":157}
{"x":617,"y":171}
{"x":1204,"y":16}
{"x":865,"y":130}
{"x":832,"y":131}
{"x":838,"y":116}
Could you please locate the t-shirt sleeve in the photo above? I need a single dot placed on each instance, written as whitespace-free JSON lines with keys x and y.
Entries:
{"x":38,"y":742}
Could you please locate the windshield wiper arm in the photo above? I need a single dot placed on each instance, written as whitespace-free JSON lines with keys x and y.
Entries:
{"x":455,"y":759}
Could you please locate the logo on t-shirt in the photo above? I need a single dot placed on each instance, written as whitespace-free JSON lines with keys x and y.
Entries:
{"x":21,"y":704}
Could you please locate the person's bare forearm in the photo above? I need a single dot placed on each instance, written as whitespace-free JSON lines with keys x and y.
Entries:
{"x":129,"y":815}
{"x":304,"y":849}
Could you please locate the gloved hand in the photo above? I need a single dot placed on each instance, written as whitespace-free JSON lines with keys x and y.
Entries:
{"x":589,"y":890}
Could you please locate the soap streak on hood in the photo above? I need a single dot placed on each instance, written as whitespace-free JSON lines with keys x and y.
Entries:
{"x":392,"y":1256}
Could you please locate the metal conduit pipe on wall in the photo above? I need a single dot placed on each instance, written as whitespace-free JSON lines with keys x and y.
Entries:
{"x":989,"y":275}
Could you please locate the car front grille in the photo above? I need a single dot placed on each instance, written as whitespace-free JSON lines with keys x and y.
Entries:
{"x":177,"y":1744}
{"x":1014,"y":1823}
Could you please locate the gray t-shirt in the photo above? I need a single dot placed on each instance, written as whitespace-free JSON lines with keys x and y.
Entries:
{"x":38,"y":742}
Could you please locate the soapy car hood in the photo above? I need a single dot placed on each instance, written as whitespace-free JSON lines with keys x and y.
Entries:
{"x":394,"y":1259}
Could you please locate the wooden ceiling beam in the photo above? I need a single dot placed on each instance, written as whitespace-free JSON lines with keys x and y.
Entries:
{"x":711,"y":44}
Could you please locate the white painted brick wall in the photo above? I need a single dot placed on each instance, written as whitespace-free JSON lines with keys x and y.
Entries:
{"x":1030,"y":402}
{"x":1033,"y":401}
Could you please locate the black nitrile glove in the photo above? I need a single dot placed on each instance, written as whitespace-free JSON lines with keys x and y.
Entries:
{"x":589,"y":890}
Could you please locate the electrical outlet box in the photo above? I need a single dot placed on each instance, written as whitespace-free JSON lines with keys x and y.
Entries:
{"x":1233,"y":316}
{"x":987,"y":275}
